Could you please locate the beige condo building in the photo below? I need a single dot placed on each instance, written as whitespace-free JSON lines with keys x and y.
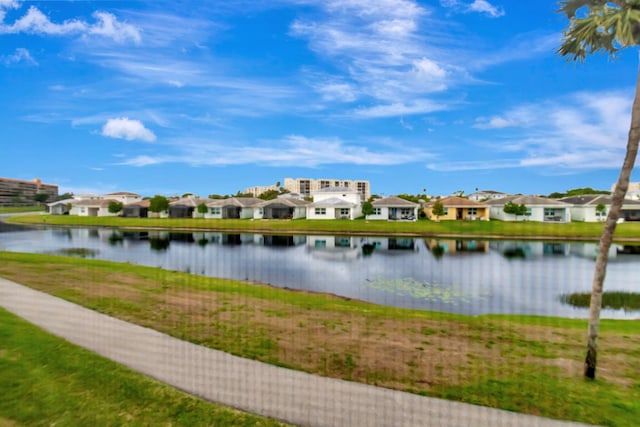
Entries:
{"x":15,"y":192}
{"x":305,"y":186}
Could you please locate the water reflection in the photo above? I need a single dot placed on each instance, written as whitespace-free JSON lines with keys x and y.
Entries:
{"x":454,"y":275}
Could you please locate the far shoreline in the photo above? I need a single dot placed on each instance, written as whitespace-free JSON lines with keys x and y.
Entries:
{"x":489,"y":230}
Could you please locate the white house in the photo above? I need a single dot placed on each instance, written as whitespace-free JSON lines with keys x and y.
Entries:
{"x":484,"y":195}
{"x":61,"y":207}
{"x":633,"y":191}
{"x":584,"y":208}
{"x":92,"y":208}
{"x":233,"y":207}
{"x":539,"y":209}
{"x":281,"y":208}
{"x":123,"y":197}
{"x":335,"y":203}
{"x":394,"y":208}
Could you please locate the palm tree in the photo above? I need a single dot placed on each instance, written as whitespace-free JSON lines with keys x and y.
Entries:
{"x":609,"y":26}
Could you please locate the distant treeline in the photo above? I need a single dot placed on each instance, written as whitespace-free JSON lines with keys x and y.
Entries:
{"x":577,"y":192}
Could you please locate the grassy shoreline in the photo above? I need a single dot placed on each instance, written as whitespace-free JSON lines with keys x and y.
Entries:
{"x":522,"y":363}
{"x":625,"y":232}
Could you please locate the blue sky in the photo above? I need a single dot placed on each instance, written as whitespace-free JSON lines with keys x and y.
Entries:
{"x":169,"y":97}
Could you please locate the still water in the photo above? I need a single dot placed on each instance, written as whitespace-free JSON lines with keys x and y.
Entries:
{"x":457,"y":276}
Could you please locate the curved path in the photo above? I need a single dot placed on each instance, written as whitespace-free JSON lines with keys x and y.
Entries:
{"x":283,"y":394}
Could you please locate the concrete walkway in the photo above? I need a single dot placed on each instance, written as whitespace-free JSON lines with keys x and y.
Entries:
{"x":284,"y":394}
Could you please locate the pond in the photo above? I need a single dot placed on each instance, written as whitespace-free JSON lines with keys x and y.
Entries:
{"x":456,"y":276}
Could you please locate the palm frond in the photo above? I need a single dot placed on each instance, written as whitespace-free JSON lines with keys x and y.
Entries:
{"x":607,"y":26}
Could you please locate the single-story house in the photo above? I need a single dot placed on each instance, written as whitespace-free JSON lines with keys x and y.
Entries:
{"x":187,"y":207}
{"x":458,"y":208}
{"x":281,"y":208}
{"x":92,"y":208}
{"x":539,"y":209}
{"x":585,"y":208}
{"x":394,"y":208}
{"x":61,"y":207}
{"x":233,"y":207}
{"x":139,"y":209}
{"x":335,"y":203}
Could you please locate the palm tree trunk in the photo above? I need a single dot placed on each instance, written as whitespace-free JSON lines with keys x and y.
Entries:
{"x":607,"y":235}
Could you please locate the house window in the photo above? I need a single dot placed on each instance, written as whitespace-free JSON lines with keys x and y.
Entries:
{"x":549,"y":212}
{"x":446,"y":211}
{"x":215,"y":211}
{"x":343,"y":242}
{"x":377,"y":211}
{"x":321,"y":211}
{"x":320,"y":244}
{"x":528,"y":213}
{"x":260,"y":211}
{"x":472,"y":211}
{"x":82,"y":210}
{"x":601,"y":213}
{"x":344,"y":211}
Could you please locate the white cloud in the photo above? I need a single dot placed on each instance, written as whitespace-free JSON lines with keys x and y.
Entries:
{"x":21,"y":55}
{"x":108,"y":26}
{"x":399,"y":109}
{"x":476,"y":6}
{"x":7,"y":4}
{"x":484,"y":6}
{"x":378,"y":47}
{"x":36,"y":22}
{"x":125,"y":128}
{"x":293,"y":150}
{"x":335,"y":91}
{"x":395,"y":53}
{"x":494,"y":122}
{"x":475,"y":165}
{"x":581,"y":131}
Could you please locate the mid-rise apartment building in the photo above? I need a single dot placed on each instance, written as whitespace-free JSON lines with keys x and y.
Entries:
{"x":306,"y":186}
{"x":259,"y":189}
{"x":14,"y":192}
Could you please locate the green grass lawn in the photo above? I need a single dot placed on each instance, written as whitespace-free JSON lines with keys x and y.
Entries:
{"x":526,"y":364}
{"x":573,"y":230}
{"x":46,"y":381}
{"x":19,"y":209}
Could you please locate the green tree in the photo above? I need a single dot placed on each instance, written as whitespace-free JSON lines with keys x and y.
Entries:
{"x":438,"y":209}
{"x":115,"y":206}
{"x":269,"y":195}
{"x":202,"y":209}
{"x":41,"y":198}
{"x":609,"y":26}
{"x":367,"y":208}
{"x":601,"y":209}
{"x":158,"y":204}
{"x":515,"y":209}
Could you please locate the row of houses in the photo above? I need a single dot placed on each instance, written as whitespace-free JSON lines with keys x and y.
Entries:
{"x":346,"y":203}
{"x":328,"y":203}
{"x":586,"y":208}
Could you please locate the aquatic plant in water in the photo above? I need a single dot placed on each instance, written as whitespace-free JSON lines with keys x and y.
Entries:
{"x":434,"y":292}
{"x":626,"y":301}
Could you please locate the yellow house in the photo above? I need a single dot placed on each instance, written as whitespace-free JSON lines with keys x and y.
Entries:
{"x":458,"y":208}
